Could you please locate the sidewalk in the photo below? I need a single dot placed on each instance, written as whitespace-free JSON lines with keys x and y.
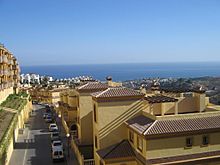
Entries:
{"x":18,"y":155}
{"x":71,"y":160}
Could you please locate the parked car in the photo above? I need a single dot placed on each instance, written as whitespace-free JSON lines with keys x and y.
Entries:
{"x":56,"y":143}
{"x":55,"y":136}
{"x":49,"y":119}
{"x":53,"y":127}
{"x":45,"y":115}
{"x":57,"y":154}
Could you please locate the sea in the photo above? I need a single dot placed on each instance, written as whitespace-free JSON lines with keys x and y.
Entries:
{"x":132,"y":71}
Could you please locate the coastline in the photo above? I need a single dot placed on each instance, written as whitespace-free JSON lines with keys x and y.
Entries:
{"x":123,"y":72}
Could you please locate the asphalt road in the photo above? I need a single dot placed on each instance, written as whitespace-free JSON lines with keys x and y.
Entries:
{"x":34,"y":147}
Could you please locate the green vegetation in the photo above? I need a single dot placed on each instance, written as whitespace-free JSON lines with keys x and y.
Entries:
{"x":15,"y":101}
{"x":23,"y":94}
{"x":8,"y":120}
{"x":6,"y":134}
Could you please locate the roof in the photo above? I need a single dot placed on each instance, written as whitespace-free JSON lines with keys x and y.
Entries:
{"x":160,"y":99}
{"x":176,"y":126}
{"x":57,"y":89}
{"x":140,"y":123}
{"x":120,"y":150}
{"x":184,"y":158}
{"x":92,"y":86}
{"x":182,"y":90}
{"x":117,"y":92}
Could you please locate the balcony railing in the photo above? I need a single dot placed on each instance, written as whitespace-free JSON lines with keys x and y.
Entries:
{"x":79,"y":156}
{"x":10,"y":62}
{"x":15,"y":77}
{"x":89,"y":162}
{"x":14,"y":67}
{"x":4,"y":59}
{"x":5,"y":72}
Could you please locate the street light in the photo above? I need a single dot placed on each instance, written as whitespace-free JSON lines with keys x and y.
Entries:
{"x":68,"y":142}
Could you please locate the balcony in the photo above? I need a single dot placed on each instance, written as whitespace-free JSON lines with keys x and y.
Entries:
{"x":5,"y":72}
{"x":4,"y":59}
{"x":15,"y":77}
{"x":10,"y":62}
{"x":14,"y":67}
{"x":84,"y":153}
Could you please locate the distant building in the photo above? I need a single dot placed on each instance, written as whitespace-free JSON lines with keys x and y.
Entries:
{"x":31,"y":78}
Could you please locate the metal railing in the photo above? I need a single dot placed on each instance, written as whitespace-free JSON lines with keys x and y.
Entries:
{"x":89,"y":162}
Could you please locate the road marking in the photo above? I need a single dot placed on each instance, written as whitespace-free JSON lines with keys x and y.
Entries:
{"x":25,"y":152}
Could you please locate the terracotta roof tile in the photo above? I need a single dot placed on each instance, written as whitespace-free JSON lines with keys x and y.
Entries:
{"x":175,"y":126}
{"x":140,"y":123}
{"x":184,"y":125}
{"x":116,"y":92}
{"x":93,"y":86}
{"x":182,"y":90}
{"x":120,"y":150}
{"x":160,"y":99}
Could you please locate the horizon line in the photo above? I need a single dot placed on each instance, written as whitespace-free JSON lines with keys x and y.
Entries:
{"x":165,"y":62}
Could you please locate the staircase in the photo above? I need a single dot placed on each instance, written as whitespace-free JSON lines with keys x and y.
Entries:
{"x":132,"y":111}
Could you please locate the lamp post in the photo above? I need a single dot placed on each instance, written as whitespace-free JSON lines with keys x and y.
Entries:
{"x":68,"y":144}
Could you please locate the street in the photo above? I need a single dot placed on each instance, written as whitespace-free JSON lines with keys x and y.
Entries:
{"x":33,"y":147}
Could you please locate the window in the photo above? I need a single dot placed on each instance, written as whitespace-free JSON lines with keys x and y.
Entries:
{"x":95,"y":118}
{"x":131,"y":136}
{"x":189,"y":142}
{"x":205,"y":140}
{"x":140,"y":143}
{"x":96,"y":142}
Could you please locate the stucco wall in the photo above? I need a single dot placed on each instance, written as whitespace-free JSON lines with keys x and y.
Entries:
{"x":167,"y":147}
{"x":111,"y":116}
{"x":4,"y":94}
{"x":73,"y":101}
{"x":85,"y":114}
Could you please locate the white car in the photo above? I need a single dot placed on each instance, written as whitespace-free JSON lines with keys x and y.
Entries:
{"x":56,"y":144}
{"x":57,"y":153}
{"x":53,"y":127}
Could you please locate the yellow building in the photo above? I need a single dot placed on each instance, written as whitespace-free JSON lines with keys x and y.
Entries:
{"x":9,"y":73}
{"x":46,"y":95}
{"x":175,"y":139}
{"x":111,"y":108}
{"x":116,"y":125}
{"x":76,"y":107}
{"x":166,"y":130}
{"x":15,"y":107}
{"x":68,"y":107}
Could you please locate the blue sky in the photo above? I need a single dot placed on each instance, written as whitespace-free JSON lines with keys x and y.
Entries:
{"x":42,"y":32}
